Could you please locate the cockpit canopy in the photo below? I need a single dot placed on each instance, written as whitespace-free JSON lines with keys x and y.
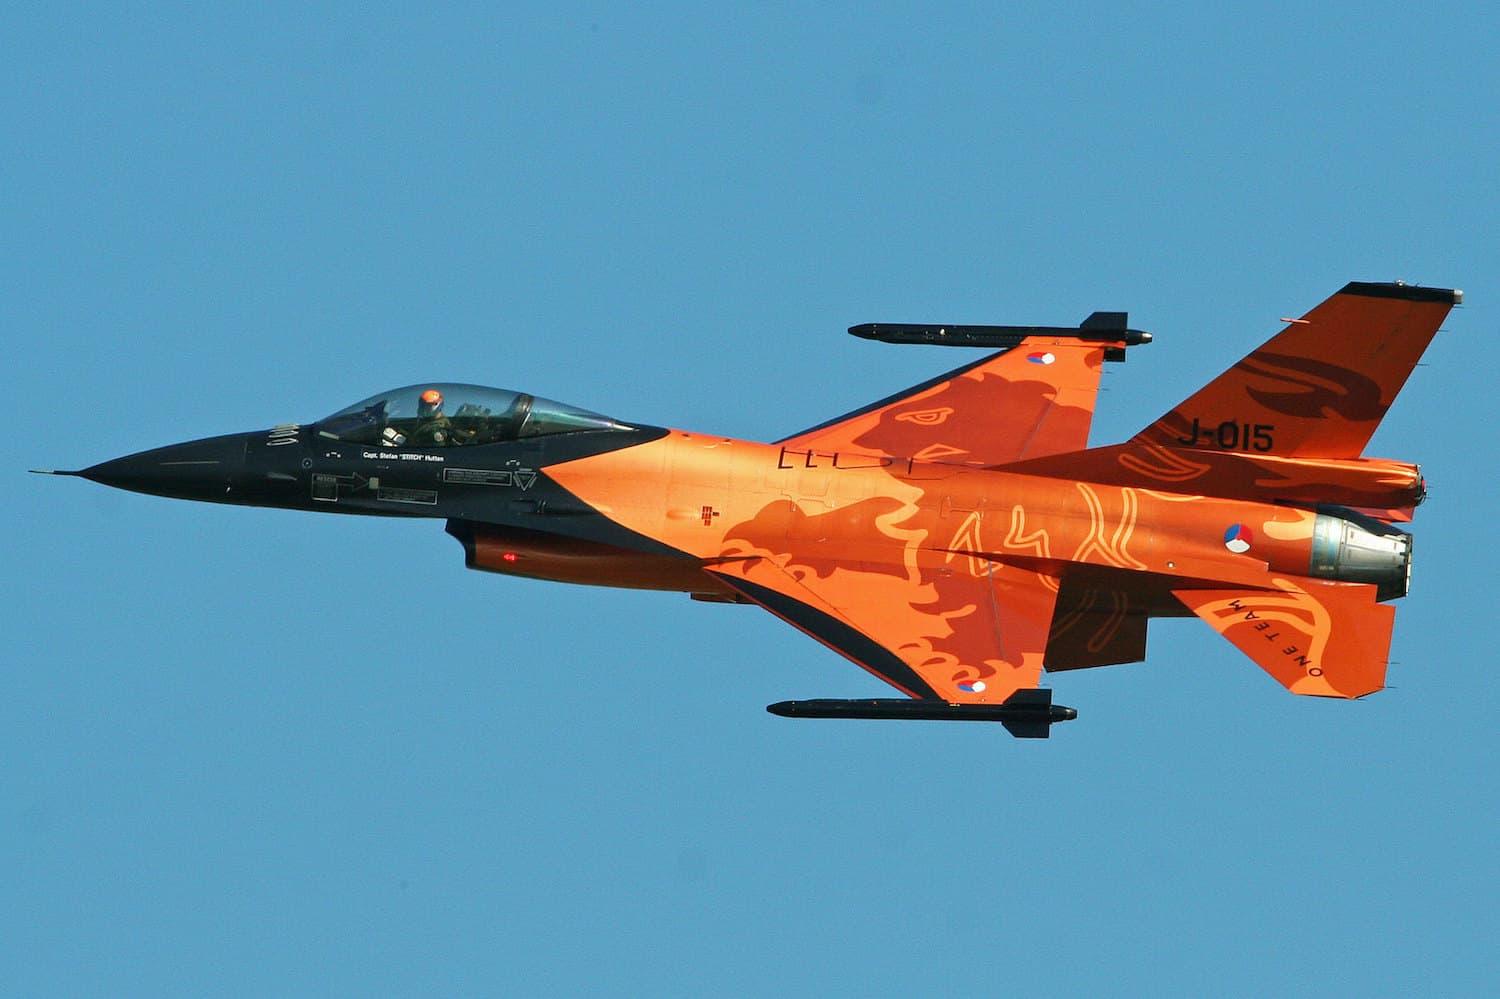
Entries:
{"x":449,"y":414}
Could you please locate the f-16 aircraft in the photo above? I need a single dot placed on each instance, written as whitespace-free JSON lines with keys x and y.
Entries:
{"x":954,"y":539}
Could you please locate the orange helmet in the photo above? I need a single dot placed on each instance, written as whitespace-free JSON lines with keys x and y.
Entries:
{"x":429,"y":402}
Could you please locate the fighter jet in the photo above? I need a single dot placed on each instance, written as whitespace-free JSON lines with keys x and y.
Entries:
{"x":955,"y":539}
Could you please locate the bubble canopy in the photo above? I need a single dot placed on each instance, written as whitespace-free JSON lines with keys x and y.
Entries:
{"x":451,"y":414}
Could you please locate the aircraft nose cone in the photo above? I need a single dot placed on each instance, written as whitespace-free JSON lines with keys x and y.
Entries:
{"x":202,"y":470}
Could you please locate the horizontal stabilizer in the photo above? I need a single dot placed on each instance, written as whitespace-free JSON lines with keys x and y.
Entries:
{"x":1313,"y":637}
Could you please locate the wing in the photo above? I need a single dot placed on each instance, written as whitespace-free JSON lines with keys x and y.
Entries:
{"x":951,"y":627}
{"x":1029,"y":401}
{"x":1313,"y":637}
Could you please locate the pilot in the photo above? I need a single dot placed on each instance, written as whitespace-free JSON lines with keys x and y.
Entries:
{"x":433,"y":428}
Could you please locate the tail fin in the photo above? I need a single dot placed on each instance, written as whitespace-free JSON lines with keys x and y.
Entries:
{"x":1320,"y":387}
{"x":1033,"y":398}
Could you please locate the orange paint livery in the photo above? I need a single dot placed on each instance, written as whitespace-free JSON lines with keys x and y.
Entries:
{"x":1017,"y":548}
{"x":955,"y":539}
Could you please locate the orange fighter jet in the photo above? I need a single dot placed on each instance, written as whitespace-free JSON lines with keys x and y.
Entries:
{"x":954,"y":539}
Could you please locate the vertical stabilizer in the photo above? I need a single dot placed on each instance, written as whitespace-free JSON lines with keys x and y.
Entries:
{"x":1320,"y":387}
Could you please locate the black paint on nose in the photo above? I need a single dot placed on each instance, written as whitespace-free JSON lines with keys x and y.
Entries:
{"x":202,"y":470}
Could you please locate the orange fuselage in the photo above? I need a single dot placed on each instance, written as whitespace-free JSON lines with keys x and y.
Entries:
{"x":721,"y":499}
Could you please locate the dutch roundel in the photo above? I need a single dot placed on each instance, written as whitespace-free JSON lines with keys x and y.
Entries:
{"x":1041,"y":357}
{"x":1238,"y":538}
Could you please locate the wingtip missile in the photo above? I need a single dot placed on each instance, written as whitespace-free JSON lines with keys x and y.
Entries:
{"x":1101,"y":326}
{"x":1026,"y":714}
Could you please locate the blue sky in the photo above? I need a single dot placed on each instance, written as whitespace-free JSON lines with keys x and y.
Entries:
{"x":253,"y":752}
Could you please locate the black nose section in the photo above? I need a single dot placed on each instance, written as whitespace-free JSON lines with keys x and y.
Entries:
{"x":207,"y":469}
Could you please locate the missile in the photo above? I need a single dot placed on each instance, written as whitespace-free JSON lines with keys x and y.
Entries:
{"x":1099,"y":326}
{"x":1026,"y":714}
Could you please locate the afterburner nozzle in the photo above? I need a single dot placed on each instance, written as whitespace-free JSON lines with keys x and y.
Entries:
{"x":1362,"y":551}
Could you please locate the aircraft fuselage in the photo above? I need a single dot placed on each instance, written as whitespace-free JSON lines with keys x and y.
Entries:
{"x":651,"y":508}
{"x":954,"y":539}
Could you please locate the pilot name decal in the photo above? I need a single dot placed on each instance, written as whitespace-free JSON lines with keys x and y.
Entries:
{"x":400,"y":456}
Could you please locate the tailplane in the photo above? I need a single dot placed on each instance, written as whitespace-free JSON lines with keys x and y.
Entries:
{"x":1314,"y":637}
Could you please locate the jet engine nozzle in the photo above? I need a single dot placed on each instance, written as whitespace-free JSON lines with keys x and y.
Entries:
{"x":1362,"y":551}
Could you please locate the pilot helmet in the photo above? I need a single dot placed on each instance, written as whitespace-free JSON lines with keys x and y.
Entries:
{"x":429,"y":403}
